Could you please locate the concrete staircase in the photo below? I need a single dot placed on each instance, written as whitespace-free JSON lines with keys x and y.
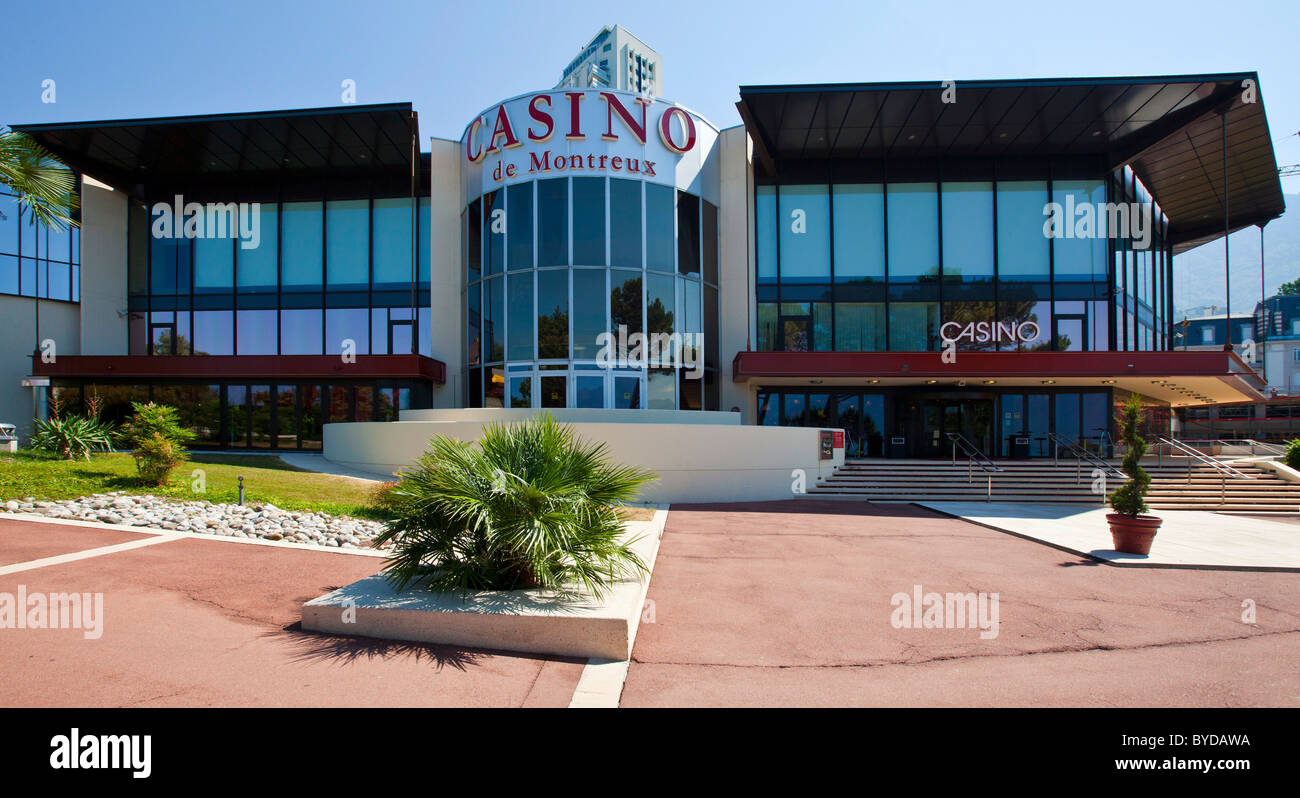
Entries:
{"x":1042,"y":481}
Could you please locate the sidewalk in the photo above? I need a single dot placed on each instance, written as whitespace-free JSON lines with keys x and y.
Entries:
{"x":315,"y":461}
{"x":1187,"y":538}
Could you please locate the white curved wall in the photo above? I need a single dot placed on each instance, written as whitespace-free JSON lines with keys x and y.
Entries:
{"x":696,"y":462}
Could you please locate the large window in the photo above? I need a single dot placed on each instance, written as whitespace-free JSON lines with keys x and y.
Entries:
{"x":876,"y":266}
{"x":625,"y":223}
{"x":392,"y":243}
{"x":615,"y":258}
{"x":35,"y":260}
{"x":1079,"y":246}
{"x":805,"y":234}
{"x":967,"y":231}
{"x":306,"y":286}
{"x":214,"y":262}
{"x":256,"y":267}
{"x":589,"y":221}
{"x":300,"y":262}
{"x":1022,"y":247}
{"x":913,"y":232}
{"x":347,"y":246}
{"x":859,"y":233}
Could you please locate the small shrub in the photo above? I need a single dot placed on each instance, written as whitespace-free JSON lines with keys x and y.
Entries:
{"x":1130,"y":498}
{"x":382,"y":498}
{"x":527,"y":506}
{"x":1292,"y":457}
{"x":155,"y":457}
{"x":73,"y":437}
{"x":156,"y":434}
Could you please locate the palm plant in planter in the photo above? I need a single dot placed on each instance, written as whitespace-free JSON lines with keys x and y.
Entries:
{"x":527,"y":506}
{"x":1131,"y":531}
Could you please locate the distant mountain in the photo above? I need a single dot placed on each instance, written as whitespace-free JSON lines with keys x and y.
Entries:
{"x":1198,"y":274}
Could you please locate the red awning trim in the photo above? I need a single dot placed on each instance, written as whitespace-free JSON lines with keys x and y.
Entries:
{"x":750,"y":365}
{"x":242,"y":367}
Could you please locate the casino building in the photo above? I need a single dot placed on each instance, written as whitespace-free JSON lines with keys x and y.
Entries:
{"x":989,"y":258}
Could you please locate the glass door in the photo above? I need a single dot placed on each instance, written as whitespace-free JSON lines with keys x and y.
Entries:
{"x":521,"y":391}
{"x":970,"y":418}
{"x":1013,"y":422}
{"x":849,"y":416}
{"x":554,"y":389}
{"x":1038,"y":422}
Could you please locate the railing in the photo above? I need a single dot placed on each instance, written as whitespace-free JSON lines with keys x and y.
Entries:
{"x":974,"y":457}
{"x":1081,"y":455}
{"x":1104,"y":442}
{"x":1253,"y":446}
{"x":1224,"y":469}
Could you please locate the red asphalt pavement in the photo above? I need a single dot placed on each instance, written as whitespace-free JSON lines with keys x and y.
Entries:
{"x":199,"y":622}
{"x":26,"y":542}
{"x":789,"y":604}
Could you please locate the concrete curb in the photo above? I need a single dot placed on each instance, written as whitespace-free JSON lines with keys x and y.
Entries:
{"x":529,"y":621}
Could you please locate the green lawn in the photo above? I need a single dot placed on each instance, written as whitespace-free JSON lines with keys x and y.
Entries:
{"x":266,"y":479}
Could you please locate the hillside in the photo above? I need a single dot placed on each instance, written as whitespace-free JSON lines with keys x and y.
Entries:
{"x":1198,"y":274}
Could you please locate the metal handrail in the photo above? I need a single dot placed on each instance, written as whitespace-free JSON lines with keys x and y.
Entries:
{"x":1104,"y":440}
{"x":1224,"y":469}
{"x":1080,"y":455}
{"x":1269,"y":448}
{"x":1192,"y":454}
{"x":974,"y":457}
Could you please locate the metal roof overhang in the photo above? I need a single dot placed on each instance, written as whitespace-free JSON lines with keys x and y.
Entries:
{"x":244,"y":151}
{"x":1180,"y":378}
{"x":1168,"y":129}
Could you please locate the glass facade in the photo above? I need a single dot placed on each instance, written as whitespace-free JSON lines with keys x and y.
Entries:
{"x":252,"y":415}
{"x":1143,"y":289}
{"x":37,"y":261}
{"x":882,"y":266}
{"x":565,"y":275}
{"x":326,"y":277}
{"x":1005,"y":423}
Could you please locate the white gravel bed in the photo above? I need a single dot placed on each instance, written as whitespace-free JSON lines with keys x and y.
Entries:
{"x":265,"y":521}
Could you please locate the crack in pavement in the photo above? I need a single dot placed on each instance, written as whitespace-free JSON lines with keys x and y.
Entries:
{"x":959,"y":657}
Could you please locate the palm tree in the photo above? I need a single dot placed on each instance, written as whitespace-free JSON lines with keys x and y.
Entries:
{"x":47,"y":188}
{"x":528,"y":506}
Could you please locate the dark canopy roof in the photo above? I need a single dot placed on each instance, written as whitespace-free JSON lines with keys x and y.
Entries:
{"x":229,"y":148}
{"x":1166,"y":128}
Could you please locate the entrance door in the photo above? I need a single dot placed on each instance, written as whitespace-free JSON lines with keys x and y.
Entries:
{"x":969,"y":417}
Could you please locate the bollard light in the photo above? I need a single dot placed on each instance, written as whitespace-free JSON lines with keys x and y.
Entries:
{"x":241,"y":491}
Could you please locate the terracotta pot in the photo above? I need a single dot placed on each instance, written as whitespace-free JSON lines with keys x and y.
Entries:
{"x":1133,"y":534}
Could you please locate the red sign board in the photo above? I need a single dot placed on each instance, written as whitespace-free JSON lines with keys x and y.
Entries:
{"x":839,"y":439}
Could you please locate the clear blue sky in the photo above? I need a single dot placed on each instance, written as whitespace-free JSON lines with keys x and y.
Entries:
{"x":122,"y":60}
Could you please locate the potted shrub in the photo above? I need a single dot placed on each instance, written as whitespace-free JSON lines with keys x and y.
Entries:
{"x":1132,"y":531}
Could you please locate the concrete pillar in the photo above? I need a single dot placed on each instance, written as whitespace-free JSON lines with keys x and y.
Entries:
{"x":445,"y":277}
